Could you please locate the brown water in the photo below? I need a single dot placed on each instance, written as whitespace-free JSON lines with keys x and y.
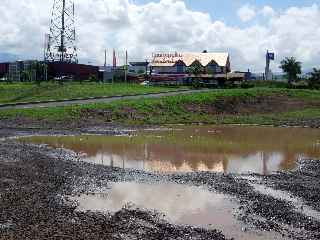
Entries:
{"x":180,"y":204}
{"x":228,"y":149}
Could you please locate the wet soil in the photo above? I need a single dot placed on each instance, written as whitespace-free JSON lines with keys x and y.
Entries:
{"x":34,"y":181}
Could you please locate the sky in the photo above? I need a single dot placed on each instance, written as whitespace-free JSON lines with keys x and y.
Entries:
{"x":226,"y":10}
{"x":245,"y":29}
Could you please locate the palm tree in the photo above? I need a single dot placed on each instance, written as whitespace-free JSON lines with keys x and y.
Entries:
{"x":38,"y":71}
{"x":25,"y":76}
{"x":35,"y":71}
{"x":291,"y":67}
{"x":44,"y":69}
{"x":314,"y":80}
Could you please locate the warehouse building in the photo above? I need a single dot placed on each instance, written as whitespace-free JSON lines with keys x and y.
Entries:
{"x":72,"y":70}
{"x":138,"y":67}
{"x":14,"y":71}
{"x":4,"y":69}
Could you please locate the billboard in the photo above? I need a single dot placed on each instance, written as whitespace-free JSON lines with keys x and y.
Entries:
{"x":270,"y":55}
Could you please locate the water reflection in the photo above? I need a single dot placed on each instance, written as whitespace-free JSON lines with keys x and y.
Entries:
{"x":184,"y":205}
{"x":228,"y":149}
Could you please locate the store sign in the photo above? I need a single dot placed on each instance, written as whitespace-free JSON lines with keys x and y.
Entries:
{"x":270,"y":56}
{"x":166,"y":57}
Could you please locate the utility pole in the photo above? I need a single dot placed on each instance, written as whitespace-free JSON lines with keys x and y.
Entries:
{"x":126,"y":68}
{"x":267,"y":70}
{"x":269,"y":57}
{"x":105,"y":58}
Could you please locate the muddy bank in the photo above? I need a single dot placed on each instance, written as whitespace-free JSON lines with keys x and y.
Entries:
{"x":251,"y":105}
{"x":225,"y":109}
{"x":35,"y":179}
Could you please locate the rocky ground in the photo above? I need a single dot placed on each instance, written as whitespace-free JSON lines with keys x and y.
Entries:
{"x":34,"y":181}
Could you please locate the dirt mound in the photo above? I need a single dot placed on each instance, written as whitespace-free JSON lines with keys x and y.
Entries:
{"x":250,"y":105}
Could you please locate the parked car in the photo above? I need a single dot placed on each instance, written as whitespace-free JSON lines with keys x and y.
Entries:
{"x":145,"y":83}
{"x":64,"y":78}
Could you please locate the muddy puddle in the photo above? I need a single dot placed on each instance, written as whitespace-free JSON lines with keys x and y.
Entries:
{"x":228,"y":149}
{"x":179,"y":204}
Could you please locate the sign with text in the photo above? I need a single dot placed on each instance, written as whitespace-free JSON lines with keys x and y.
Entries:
{"x":166,"y":57}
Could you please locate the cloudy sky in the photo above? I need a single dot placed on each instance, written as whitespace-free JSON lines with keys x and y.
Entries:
{"x":244,"y":28}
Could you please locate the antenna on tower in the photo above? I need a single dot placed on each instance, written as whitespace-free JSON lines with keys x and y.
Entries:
{"x":61,"y":43}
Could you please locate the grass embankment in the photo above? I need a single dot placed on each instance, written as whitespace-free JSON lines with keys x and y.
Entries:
{"x":26,"y":92}
{"x":234,"y":106}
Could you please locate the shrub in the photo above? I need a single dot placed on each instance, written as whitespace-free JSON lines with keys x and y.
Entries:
{"x":93,"y":78}
{"x":246,"y":85}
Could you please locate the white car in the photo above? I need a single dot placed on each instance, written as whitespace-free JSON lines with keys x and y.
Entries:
{"x":63,"y":78}
{"x":145,"y":83}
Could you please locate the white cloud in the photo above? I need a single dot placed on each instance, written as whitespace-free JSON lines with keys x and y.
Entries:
{"x":246,"y":13}
{"x":268,"y":11}
{"x":167,"y":25}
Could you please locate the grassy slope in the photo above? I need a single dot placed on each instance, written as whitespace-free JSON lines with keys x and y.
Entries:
{"x":22,"y":92}
{"x":169,"y":110}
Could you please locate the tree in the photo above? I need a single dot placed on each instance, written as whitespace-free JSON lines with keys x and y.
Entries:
{"x":196,"y":69}
{"x":25,"y":76}
{"x":314,"y":80}
{"x":38,"y":71}
{"x":291,"y":67}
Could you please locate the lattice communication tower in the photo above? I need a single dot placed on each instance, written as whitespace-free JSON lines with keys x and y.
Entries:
{"x":61,"y":41}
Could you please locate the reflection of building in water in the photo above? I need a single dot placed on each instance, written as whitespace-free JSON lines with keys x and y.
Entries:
{"x":114,"y":160}
{"x":260,"y":162}
{"x":151,"y":159}
{"x":237,"y":150}
{"x":166,"y":166}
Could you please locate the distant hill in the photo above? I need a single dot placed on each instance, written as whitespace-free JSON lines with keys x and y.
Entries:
{"x":7,"y":57}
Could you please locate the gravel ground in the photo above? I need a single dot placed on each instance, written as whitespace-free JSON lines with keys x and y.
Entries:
{"x":34,"y":181}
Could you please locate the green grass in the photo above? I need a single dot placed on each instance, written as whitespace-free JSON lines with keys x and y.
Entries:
{"x":168,"y":110}
{"x":24,"y":92}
